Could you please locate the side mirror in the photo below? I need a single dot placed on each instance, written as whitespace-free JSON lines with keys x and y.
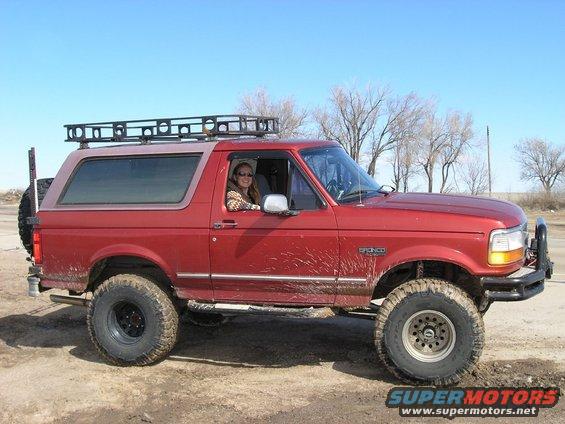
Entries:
{"x":276,"y":204}
{"x":387,"y":189}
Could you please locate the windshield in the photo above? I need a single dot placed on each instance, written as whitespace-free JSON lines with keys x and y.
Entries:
{"x":342,"y":177}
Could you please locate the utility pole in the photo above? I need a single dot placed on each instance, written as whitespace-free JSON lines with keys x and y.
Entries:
{"x":488,"y":161}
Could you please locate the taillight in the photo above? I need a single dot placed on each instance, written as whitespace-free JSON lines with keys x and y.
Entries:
{"x":37,"y":251}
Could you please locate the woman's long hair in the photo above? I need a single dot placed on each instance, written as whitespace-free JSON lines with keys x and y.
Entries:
{"x":253,"y":190}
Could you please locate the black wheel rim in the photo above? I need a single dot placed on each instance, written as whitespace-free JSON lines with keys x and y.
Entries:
{"x":127,"y":322}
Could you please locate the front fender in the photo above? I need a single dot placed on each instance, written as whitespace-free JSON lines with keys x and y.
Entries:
{"x":426,"y":253}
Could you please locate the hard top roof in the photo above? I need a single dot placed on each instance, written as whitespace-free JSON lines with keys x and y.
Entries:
{"x":270,"y":144}
{"x":223,"y":145}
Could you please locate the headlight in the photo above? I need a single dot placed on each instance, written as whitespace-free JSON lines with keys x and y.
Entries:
{"x":507,"y":246}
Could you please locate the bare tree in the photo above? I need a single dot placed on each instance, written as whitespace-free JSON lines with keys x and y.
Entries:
{"x":351,"y":116}
{"x":458,"y":139}
{"x":292,"y":119}
{"x":541,"y":161}
{"x":431,"y":141}
{"x":475,"y":175}
{"x":399,"y":123}
{"x":404,"y":163}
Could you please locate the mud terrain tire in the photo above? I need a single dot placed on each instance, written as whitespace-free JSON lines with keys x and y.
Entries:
{"x":428,"y":331}
{"x":24,"y":211}
{"x":132,"y":321}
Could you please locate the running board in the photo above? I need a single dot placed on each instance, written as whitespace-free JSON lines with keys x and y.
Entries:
{"x":69,"y":300}
{"x":244,"y":309}
{"x":369,"y":314}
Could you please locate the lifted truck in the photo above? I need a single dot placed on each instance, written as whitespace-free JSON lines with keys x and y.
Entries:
{"x":140,"y":233}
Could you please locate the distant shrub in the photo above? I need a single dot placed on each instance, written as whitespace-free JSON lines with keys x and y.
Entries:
{"x":11,"y":196}
{"x":542,"y":201}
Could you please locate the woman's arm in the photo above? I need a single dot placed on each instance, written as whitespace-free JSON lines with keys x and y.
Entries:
{"x":235,"y":202}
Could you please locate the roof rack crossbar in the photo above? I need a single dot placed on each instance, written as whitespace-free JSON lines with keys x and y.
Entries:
{"x":173,"y":129}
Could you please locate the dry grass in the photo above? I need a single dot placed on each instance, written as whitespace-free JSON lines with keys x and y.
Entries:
{"x":555,"y":221}
{"x":543,"y":201}
{"x":11,"y":197}
{"x":536,"y":201}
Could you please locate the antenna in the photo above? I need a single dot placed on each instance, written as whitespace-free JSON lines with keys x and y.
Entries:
{"x":359,"y":185}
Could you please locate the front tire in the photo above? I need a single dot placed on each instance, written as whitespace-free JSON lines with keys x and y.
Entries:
{"x":429,"y":331}
{"x":132,"y":321}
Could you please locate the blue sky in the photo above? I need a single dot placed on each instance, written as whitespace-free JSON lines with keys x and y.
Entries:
{"x":64,"y":62}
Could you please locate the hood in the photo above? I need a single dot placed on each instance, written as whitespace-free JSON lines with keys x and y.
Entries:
{"x":506,"y":213}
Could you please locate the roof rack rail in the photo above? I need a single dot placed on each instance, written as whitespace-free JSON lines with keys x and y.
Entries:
{"x":172,"y":129}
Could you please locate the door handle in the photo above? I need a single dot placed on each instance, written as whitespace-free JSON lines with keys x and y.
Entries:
{"x":226,"y":223}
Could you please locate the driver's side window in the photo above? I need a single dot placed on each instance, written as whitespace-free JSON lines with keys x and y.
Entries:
{"x":251,"y":178}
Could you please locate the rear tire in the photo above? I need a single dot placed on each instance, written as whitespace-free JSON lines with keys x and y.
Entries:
{"x":132,"y":321}
{"x":24,"y":211}
{"x":429,"y":331}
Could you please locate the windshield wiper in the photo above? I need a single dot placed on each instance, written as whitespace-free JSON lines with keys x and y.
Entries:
{"x":358,"y":193}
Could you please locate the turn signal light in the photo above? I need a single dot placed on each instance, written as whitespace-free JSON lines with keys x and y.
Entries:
{"x":503,"y":258}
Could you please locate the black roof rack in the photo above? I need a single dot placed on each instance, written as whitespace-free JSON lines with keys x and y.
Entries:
{"x":172,"y":129}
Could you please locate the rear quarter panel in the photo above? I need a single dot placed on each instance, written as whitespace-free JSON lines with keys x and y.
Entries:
{"x":174,"y":237}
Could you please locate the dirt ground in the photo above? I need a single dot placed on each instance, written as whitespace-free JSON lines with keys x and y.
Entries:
{"x":251,"y":369}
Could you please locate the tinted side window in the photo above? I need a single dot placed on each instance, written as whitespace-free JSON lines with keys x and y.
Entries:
{"x":127,"y":180}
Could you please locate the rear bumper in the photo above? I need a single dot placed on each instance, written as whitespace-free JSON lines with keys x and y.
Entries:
{"x":527,"y":281}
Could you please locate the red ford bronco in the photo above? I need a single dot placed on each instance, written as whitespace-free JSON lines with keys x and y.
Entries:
{"x":140,"y":233}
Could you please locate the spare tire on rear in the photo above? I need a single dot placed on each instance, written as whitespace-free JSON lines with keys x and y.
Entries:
{"x":24,"y":211}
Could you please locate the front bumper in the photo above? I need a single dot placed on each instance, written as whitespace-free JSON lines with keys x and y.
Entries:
{"x":527,"y":281}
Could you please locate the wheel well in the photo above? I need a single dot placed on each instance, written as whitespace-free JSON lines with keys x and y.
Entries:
{"x":108,"y":267}
{"x":421,"y":269}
